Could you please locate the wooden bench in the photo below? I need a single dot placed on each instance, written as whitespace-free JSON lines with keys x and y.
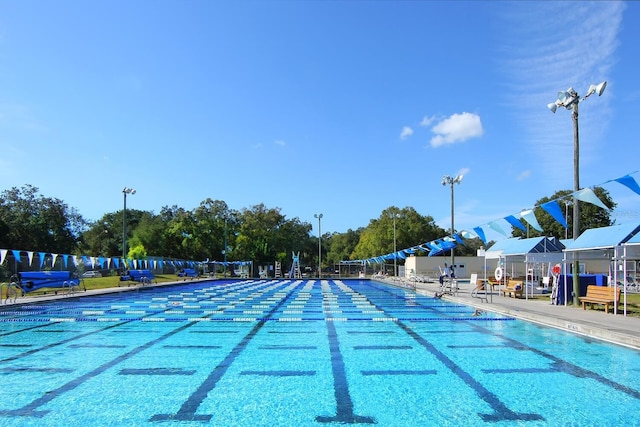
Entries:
{"x":605,"y":295}
{"x":514,"y":287}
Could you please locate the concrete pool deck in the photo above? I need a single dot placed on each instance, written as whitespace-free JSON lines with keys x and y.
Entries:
{"x":618,"y":329}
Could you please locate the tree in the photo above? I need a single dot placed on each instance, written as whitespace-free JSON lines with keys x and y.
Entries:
{"x":29,"y":221}
{"x":104,"y":237}
{"x":265,"y":236}
{"x":591,"y":216}
{"x":342,"y":246}
{"x":149,"y":233}
{"x":137,"y":252}
{"x":411,"y":229}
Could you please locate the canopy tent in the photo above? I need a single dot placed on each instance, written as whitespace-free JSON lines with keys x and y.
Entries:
{"x":616,"y":246}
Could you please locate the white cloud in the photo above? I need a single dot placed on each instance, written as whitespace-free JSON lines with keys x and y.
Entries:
{"x":406,"y":132}
{"x":464,"y":171}
{"x":537,"y":64}
{"x":426,"y":121}
{"x":456,"y":128}
{"x":279,"y":142}
{"x":524,"y":175}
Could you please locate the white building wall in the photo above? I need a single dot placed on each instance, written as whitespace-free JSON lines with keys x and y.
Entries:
{"x":430,"y":266}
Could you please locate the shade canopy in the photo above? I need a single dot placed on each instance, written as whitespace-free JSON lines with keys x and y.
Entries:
{"x":604,"y":237}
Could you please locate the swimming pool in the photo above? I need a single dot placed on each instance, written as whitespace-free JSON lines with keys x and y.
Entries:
{"x":300,"y":353}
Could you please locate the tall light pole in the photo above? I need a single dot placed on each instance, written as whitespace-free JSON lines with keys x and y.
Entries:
{"x":570,"y":99}
{"x":125,"y":191}
{"x":395,"y":248}
{"x":448,"y":180}
{"x":319,"y":216}
{"x":224,"y":251}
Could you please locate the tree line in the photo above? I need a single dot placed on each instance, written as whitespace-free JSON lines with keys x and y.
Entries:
{"x":212,"y":231}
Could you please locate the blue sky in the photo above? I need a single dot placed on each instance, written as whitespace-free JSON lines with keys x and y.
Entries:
{"x":336,"y":107}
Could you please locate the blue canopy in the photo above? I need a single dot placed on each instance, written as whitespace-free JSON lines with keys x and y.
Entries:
{"x":604,"y":237}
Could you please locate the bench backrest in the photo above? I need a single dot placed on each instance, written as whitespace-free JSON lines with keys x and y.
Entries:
{"x":189,"y":272}
{"x":513,"y":283}
{"x":603,"y":292}
{"x":30,"y":281}
{"x":138,"y":275}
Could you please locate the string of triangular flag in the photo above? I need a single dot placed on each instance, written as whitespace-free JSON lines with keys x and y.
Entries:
{"x":552,"y":207}
{"x":49,"y":260}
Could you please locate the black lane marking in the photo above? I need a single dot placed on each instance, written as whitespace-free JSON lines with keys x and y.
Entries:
{"x":34,"y":369}
{"x":400,"y":372}
{"x":478,"y":346}
{"x":187,"y":411}
{"x":205,"y":347}
{"x":18,"y":331}
{"x":31,"y":408}
{"x":288,"y":347}
{"x":501,"y":411}
{"x":280,"y":373}
{"x":156,"y":371}
{"x":96,"y":346}
{"x":59,"y":343}
{"x":382,"y":347}
{"x":344,"y":404}
{"x":568,"y":368}
{"x":520,"y":371}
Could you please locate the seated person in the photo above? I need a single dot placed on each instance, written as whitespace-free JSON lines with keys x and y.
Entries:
{"x":446,"y":272}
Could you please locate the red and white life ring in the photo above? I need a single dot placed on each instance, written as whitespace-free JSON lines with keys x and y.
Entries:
{"x":556,"y":270}
{"x":498,"y":274}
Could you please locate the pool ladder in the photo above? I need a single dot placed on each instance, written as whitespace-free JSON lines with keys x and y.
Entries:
{"x":13,"y":290}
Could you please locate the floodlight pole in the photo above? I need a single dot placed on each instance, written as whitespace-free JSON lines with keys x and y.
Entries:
{"x":125,"y":191}
{"x":570,"y":100}
{"x":576,"y":203}
{"x":449,"y":180}
{"x":319,"y":216}
{"x":395,"y":248}
{"x":224,"y":251}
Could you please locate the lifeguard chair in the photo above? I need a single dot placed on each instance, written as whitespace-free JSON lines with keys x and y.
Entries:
{"x":295,"y":272}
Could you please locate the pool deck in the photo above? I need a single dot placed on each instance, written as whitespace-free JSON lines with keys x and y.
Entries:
{"x":594,"y":323}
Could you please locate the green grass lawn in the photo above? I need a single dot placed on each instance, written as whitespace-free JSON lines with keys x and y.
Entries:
{"x":102,"y":283}
{"x":633,"y":303}
{"x":114,"y":281}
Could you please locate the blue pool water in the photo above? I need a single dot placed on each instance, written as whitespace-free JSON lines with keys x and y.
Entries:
{"x":300,"y":353}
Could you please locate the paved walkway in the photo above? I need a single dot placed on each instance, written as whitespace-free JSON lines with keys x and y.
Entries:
{"x":593,"y":323}
{"x":590,"y":322}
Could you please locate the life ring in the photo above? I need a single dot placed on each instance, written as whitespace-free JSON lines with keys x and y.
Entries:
{"x":498,"y":273}
{"x":556,"y":270}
